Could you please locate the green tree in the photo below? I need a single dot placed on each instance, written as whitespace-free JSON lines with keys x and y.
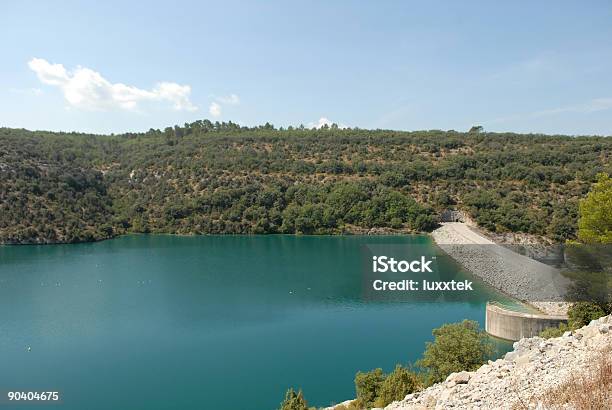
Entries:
{"x":456,"y":347}
{"x":399,"y":383}
{"x":425,"y":223}
{"x":294,"y":401}
{"x":367,"y":385}
{"x":595,"y":223}
{"x":221,"y":178}
{"x":581,"y":313}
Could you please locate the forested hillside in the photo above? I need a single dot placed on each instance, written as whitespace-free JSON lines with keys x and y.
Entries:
{"x":207,"y":178}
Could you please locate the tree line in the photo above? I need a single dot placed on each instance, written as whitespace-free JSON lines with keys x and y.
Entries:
{"x":220,"y":178}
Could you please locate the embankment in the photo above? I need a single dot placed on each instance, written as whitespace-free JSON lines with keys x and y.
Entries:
{"x":519,"y":276}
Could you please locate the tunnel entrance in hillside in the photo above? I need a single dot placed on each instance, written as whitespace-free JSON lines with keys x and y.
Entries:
{"x":452,"y":215}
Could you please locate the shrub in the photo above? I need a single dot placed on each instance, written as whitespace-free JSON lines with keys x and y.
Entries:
{"x":456,"y":347}
{"x":396,"y":386}
{"x":367,"y":385}
{"x":551,"y":332}
{"x":586,"y":390}
{"x":581,"y":313}
{"x":294,"y":401}
{"x":425,"y":223}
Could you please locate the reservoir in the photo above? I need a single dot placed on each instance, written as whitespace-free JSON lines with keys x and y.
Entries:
{"x":171,"y":322}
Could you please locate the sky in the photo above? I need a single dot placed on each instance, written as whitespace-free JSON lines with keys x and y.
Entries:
{"x":109,"y":66}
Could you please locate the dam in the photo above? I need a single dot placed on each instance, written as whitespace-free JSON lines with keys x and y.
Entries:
{"x":530,"y":281}
{"x":512,"y":325}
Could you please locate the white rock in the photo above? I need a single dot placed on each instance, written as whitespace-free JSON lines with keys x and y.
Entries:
{"x":459,"y":378}
{"x":538,"y":366}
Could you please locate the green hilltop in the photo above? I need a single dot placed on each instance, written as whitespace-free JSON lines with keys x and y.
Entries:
{"x":220,"y":178}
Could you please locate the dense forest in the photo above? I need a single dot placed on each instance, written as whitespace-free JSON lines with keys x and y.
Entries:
{"x":220,"y":178}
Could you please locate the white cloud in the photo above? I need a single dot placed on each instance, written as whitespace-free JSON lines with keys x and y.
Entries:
{"x":177,"y":94}
{"x":543,"y":65}
{"x":323,"y":121}
{"x":214,"y":109}
{"x":594,"y":105}
{"x":28,"y":91}
{"x":231,"y":99}
{"x":87,"y":89}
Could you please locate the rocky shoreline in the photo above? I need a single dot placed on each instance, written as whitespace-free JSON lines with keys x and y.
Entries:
{"x":525,"y":377}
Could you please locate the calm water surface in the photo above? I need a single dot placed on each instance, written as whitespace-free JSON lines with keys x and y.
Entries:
{"x":228,"y":322}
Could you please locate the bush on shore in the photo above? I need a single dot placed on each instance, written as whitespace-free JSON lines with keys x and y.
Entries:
{"x":368,"y":385}
{"x":551,"y":332}
{"x":397,"y":385}
{"x":376,"y":389}
{"x":579,"y":314}
{"x":456,"y":347}
{"x":294,"y":401}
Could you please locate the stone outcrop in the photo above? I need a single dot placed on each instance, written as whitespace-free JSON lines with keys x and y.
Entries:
{"x":524,"y":375}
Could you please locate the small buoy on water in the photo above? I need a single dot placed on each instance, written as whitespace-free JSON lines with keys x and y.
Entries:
{"x":29,"y":348}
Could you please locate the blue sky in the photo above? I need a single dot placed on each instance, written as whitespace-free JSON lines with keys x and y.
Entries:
{"x":520,"y":66}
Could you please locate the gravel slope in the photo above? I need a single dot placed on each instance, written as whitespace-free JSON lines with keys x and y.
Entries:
{"x":516,"y":275}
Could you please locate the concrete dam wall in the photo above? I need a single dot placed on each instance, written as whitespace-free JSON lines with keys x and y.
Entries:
{"x":511,"y":325}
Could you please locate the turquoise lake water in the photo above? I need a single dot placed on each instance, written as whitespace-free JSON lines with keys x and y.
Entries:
{"x":223,"y":322}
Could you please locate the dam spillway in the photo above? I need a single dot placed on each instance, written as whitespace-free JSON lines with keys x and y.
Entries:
{"x":512,"y":325}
